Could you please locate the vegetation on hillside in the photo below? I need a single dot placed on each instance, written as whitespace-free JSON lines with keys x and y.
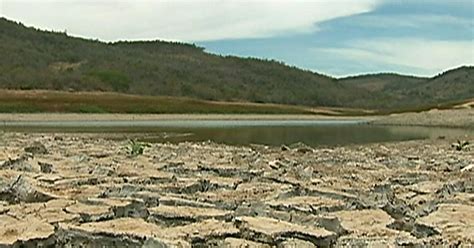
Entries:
{"x":109,"y":102}
{"x":34,"y":59}
{"x":407,"y":92}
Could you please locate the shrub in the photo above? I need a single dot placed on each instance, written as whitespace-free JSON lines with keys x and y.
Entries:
{"x":460,"y":145}
{"x":136,"y":148}
{"x":117,"y":80}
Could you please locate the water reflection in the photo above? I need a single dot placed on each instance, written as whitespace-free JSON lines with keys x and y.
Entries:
{"x":242,"y":132}
{"x":311,"y":135}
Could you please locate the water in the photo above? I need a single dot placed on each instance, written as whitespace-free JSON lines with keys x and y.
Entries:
{"x":243,"y":132}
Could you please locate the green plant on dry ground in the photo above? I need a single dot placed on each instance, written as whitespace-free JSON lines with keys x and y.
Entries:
{"x":460,"y":145}
{"x":135,"y":148}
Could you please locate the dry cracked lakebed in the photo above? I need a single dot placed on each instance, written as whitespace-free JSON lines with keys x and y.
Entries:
{"x":80,"y":190}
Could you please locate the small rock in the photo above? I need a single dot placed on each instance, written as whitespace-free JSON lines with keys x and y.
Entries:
{"x":45,"y":167}
{"x":122,"y":232}
{"x":241,"y":243}
{"x":410,"y":158}
{"x":467,"y":168}
{"x":20,"y":190}
{"x":296,"y":243}
{"x":18,"y":164}
{"x":90,"y":213}
{"x":284,"y":148}
{"x":454,"y":220}
{"x":301,"y":147}
{"x":136,"y":209}
{"x":304,"y":150}
{"x":103,"y":171}
{"x":99,"y":155}
{"x":81,"y":158}
{"x":32,"y":231}
{"x":176,"y":213}
{"x":275,"y":164}
{"x":36,"y":148}
{"x":268,"y":230}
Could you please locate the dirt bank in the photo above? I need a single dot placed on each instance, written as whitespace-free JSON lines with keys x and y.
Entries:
{"x":71,"y":189}
{"x":461,"y":118}
{"x":152,"y":117}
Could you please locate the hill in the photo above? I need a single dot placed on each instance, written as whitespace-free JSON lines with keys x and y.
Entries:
{"x":408,"y":92}
{"x":35,"y":59}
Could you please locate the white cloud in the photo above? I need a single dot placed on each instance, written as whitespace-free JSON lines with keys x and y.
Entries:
{"x":429,"y":56}
{"x":412,"y":21}
{"x":196,"y":20}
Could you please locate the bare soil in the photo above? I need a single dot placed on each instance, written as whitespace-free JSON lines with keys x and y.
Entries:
{"x":460,"y":118}
{"x":156,"y":117}
{"x":79,"y":189}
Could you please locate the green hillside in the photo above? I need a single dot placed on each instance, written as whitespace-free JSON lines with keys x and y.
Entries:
{"x":407,"y":92}
{"x":34,"y":59}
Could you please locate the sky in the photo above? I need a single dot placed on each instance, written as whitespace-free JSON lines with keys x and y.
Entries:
{"x":333,"y":37}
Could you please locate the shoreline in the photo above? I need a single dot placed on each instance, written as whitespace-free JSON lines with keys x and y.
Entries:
{"x":454,"y":118}
{"x":159,"y":117}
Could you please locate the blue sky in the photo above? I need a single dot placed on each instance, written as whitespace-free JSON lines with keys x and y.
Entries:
{"x":409,"y":37}
{"x":335,"y":37}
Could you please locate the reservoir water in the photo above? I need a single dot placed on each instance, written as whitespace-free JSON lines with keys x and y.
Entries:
{"x":243,"y":132}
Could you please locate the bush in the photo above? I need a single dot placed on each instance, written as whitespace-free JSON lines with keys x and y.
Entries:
{"x":136,"y":148}
{"x":117,"y":80}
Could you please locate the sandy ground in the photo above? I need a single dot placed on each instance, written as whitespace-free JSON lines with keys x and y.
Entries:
{"x":71,"y":190}
{"x":462,"y":118}
{"x":459,"y":118}
{"x":131,"y":117}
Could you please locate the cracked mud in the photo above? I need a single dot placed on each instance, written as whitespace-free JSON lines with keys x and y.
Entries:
{"x":78,"y":190}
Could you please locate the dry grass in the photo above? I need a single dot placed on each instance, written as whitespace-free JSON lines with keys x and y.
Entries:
{"x":45,"y":101}
{"x":42,"y":101}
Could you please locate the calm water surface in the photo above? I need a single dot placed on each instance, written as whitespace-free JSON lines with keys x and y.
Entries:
{"x":243,"y":132}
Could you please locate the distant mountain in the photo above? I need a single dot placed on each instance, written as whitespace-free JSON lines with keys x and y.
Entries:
{"x":408,"y":92}
{"x":35,"y":59}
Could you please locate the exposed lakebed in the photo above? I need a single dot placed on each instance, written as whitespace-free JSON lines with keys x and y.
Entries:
{"x":71,"y":190}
